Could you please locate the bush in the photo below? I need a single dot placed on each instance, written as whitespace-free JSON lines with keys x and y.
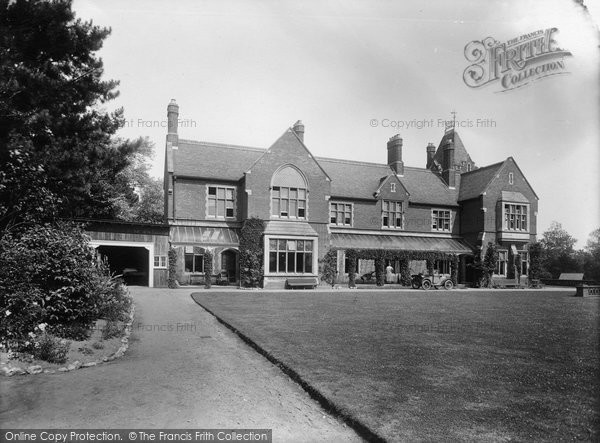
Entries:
{"x":251,"y":252}
{"x":329,"y":267}
{"x":405,"y":277}
{"x":208,"y":268}
{"x":172,"y":278}
{"x":49,"y":274}
{"x":51,"y":349}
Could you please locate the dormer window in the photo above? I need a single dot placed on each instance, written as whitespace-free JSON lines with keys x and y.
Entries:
{"x":289,"y":194}
{"x":393,"y":187}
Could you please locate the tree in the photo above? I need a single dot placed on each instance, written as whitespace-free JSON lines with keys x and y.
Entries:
{"x":592,"y":261}
{"x":559,"y":254}
{"x":147,"y":204}
{"x":51,"y":115}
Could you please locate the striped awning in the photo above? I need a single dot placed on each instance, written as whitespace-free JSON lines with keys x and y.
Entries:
{"x":203,"y":236}
{"x":404,"y":243}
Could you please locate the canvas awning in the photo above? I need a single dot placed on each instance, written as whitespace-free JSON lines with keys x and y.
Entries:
{"x":292,"y":228}
{"x":397,"y":242}
{"x":203,"y":236}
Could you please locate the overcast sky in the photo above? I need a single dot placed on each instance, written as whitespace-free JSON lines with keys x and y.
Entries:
{"x":243,"y":72}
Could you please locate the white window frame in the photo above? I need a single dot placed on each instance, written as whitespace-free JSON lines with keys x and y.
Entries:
{"x":392,"y":187}
{"x":208,"y":198}
{"x":162,"y":262}
{"x":505,"y":217}
{"x":505,"y":261}
{"x":511,"y":178}
{"x":396,"y":212}
{"x":315,"y":253}
{"x":344,"y":212}
{"x":433,"y":217}
{"x":297,"y":200}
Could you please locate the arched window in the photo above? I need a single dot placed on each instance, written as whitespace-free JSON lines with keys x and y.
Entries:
{"x":289,"y":194}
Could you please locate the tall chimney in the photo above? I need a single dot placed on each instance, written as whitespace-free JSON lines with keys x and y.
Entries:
{"x":448,"y":173}
{"x":299,"y":130}
{"x":172,"y":119}
{"x":394,"y":151}
{"x":430,"y":155}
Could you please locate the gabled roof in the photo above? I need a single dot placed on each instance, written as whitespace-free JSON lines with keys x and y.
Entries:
{"x":460,"y":152}
{"x":353,"y":179}
{"x":474,"y":183}
{"x":213,"y":160}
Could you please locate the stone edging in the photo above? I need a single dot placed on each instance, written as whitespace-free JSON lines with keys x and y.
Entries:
{"x":9,"y":371}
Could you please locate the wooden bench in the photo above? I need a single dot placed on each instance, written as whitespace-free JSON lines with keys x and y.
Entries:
{"x":301,"y":282}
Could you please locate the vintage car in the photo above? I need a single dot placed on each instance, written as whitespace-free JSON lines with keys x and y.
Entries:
{"x":435,"y":280}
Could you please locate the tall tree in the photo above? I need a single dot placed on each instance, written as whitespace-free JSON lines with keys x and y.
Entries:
{"x":51,"y":114}
{"x":592,"y":262}
{"x":559,"y":252}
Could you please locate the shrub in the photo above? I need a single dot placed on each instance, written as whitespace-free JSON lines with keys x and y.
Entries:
{"x":208,"y":268}
{"x":379,"y":271}
{"x":352,"y":257}
{"x":329,"y":267}
{"x":49,"y":274}
{"x":51,"y":349}
{"x":405,"y":277}
{"x":111,"y":329}
{"x":251,"y":252}
{"x":172,"y":278}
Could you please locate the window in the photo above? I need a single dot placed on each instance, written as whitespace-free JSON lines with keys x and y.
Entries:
{"x":290,"y":256}
{"x":391,"y":214}
{"x":440,"y":220}
{"x":220,"y":202}
{"x":194,"y":262}
{"x":502,"y":261}
{"x":468,"y":167}
{"x":288,"y":202}
{"x":511,"y":178}
{"x":515,"y":217}
{"x":442,"y":266}
{"x":160,"y":261}
{"x":524,"y":262}
{"x":393,"y":187}
{"x":340,"y":214}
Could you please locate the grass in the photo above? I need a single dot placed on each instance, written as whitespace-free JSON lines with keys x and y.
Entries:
{"x":436,"y":365}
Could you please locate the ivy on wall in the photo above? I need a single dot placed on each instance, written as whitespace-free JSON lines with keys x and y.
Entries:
{"x":381,"y":255}
{"x":172,"y":277}
{"x":329,"y":267}
{"x":208,"y":268}
{"x":251,"y":252}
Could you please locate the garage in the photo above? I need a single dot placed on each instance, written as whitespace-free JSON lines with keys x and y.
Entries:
{"x":137,"y":251}
{"x":130,"y":262}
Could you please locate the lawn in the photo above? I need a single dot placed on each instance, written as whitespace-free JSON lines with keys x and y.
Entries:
{"x":436,"y":365}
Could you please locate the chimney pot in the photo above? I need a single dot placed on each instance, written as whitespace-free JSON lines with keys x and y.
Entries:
{"x":394,"y":151}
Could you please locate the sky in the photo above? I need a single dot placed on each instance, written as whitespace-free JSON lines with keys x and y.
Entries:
{"x":358,"y":72}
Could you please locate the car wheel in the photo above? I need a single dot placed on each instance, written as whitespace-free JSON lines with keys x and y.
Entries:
{"x":448,"y":284}
{"x":426,"y":284}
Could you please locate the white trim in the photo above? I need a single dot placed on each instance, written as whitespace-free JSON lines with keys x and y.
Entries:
{"x":149,"y":246}
{"x":451,"y":220}
{"x":315,"y":254}
{"x":336,"y":202}
{"x":235,"y":198}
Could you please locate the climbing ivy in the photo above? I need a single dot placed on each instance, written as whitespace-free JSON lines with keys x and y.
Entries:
{"x":251,"y":252}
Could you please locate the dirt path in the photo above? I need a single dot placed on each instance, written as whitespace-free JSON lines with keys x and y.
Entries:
{"x":182,"y":370}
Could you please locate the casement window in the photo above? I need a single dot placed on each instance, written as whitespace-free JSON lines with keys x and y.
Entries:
{"x":515,"y":217}
{"x":194,"y":262}
{"x":442,"y":266}
{"x":288,"y":202}
{"x":502,"y":263}
{"x":340,"y":214}
{"x":440,"y":220}
{"x":290,"y":256}
{"x":160,"y":261}
{"x":391,"y":214}
{"x":221,"y":201}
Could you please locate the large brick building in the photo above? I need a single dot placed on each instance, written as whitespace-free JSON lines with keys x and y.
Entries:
{"x":310,"y":204}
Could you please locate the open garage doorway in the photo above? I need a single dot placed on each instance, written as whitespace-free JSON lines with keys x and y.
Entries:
{"x":131,"y":262}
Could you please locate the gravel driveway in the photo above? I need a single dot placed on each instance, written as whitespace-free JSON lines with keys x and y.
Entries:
{"x":182,"y":370}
